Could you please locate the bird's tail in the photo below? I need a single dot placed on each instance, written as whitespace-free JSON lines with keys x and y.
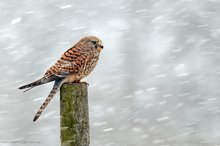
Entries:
{"x":41,"y":81}
{"x":56,"y":87}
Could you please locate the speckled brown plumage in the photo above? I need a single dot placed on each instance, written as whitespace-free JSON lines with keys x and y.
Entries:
{"x":75,"y":64}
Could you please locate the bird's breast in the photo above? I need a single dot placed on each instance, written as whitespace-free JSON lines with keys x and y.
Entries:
{"x":85,"y":71}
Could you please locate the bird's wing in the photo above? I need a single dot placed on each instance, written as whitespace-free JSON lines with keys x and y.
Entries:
{"x":71,"y":62}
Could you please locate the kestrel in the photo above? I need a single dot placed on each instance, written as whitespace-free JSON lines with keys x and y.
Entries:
{"x":76,"y":63}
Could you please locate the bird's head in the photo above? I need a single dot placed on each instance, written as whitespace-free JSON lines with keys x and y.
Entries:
{"x":93,"y":40}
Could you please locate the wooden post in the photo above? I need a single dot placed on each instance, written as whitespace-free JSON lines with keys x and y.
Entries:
{"x":74,"y":115}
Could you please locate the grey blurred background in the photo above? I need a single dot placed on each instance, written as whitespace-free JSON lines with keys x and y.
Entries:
{"x":157,"y":82}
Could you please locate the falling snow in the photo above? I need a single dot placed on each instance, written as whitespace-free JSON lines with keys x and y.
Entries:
{"x":65,"y":6}
{"x":16,"y":20}
{"x":157,"y":82}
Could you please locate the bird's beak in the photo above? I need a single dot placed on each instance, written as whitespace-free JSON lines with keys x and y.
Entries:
{"x":100,"y":46}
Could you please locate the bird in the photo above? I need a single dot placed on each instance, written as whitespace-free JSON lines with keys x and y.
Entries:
{"x":75,"y":64}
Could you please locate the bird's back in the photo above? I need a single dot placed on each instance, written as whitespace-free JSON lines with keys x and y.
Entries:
{"x":78,"y":60}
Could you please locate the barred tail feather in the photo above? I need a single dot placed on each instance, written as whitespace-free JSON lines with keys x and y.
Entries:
{"x":56,"y":87}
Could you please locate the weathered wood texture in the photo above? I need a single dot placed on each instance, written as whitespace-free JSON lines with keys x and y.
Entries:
{"x":74,"y":115}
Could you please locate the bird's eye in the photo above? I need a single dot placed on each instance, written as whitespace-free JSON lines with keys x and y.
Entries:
{"x":94,"y":42}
